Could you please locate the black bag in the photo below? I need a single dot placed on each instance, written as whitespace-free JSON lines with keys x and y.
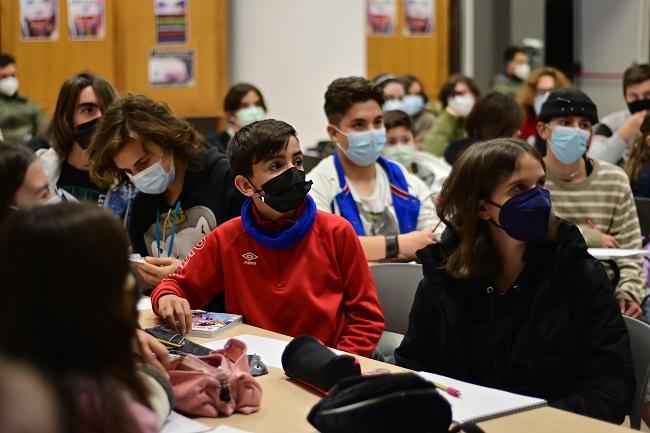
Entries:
{"x":390,"y":403}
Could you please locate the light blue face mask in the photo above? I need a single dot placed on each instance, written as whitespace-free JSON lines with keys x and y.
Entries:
{"x":153,"y":179}
{"x":568,"y":144}
{"x":392,"y":105}
{"x":402,"y":153}
{"x":249,"y":115}
{"x":539,"y":101}
{"x":364,"y":147}
{"x":413,"y":104}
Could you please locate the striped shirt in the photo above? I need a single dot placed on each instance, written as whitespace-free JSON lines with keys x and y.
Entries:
{"x":603,"y":203}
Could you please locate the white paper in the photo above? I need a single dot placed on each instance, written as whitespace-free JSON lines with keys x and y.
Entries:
{"x":144,"y":303}
{"x":269,"y":349}
{"x":227,"y":429}
{"x":177,"y":423}
{"x":479,"y":402}
{"x":615,"y":253}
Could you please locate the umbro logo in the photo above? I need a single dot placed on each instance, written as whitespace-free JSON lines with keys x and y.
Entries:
{"x":249,"y":259}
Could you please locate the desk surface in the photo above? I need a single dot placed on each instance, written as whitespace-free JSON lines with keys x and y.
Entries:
{"x":285,"y":404}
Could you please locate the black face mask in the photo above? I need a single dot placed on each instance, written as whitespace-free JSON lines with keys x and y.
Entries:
{"x":84,"y":132}
{"x":640,"y":105}
{"x":287,"y":191}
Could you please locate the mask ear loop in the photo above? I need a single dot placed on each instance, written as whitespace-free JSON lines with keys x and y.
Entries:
{"x":257,"y":191}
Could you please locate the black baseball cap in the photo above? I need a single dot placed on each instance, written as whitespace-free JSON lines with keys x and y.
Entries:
{"x":568,"y":102}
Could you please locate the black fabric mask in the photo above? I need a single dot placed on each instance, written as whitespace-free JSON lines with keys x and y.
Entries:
{"x":84,"y":132}
{"x":640,"y":105}
{"x":287,"y":191}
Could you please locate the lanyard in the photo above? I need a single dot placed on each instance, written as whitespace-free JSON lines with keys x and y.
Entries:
{"x":160,"y":236}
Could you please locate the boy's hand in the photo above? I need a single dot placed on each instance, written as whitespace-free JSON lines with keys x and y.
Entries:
{"x":157,"y":268}
{"x":610,"y":241}
{"x":632,"y":126}
{"x":409,"y":243}
{"x":629,"y":308}
{"x":151,"y":351}
{"x":176,"y":313}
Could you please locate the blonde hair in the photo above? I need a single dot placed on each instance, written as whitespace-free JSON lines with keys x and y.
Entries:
{"x":528,"y":90}
{"x":639,"y":157}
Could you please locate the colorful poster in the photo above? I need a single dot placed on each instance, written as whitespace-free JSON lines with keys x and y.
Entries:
{"x":171,"y":68}
{"x":39,"y":20}
{"x":381,"y":17}
{"x":86,"y":19}
{"x":419,"y":17}
{"x":171,"y":21}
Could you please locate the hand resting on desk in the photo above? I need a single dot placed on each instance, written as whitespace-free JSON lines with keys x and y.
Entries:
{"x":176,"y":313}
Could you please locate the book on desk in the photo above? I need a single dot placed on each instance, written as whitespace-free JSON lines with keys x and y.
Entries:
{"x":208,"y":324}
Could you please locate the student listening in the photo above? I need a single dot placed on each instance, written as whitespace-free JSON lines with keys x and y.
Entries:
{"x":75,"y":318}
{"x":510,"y":297}
{"x":416,"y":105}
{"x":637,"y":165}
{"x":283,"y":265}
{"x":390,"y":209}
{"x":592,"y":194}
{"x":185,"y":190}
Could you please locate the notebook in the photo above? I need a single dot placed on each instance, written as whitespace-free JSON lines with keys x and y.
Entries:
{"x":207,"y":324}
{"x":478,"y":403}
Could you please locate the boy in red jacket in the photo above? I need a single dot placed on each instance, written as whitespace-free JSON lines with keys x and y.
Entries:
{"x":283,"y":265}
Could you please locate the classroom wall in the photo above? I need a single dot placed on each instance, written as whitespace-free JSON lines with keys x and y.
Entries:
{"x":292,"y":49}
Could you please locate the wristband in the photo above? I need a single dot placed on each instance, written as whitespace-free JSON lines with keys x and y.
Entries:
{"x":391,"y":246}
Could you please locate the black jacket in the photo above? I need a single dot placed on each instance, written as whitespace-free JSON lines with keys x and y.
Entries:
{"x":209,"y":198}
{"x":556,"y":334}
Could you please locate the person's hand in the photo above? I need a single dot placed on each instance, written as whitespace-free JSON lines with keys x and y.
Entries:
{"x":409,"y":243}
{"x":629,"y":308}
{"x":609,"y":241}
{"x":157,"y":268}
{"x":151,"y":351}
{"x":632,"y":126}
{"x":176,"y":313}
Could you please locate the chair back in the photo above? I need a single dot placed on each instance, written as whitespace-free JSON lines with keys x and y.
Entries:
{"x":396,"y":284}
{"x":643,"y":211}
{"x":640,"y":343}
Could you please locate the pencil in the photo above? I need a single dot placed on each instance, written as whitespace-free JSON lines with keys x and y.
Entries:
{"x":169,"y":343}
{"x":448,"y":389}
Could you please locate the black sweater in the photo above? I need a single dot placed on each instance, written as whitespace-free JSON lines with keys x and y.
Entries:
{"x":556,"y":334}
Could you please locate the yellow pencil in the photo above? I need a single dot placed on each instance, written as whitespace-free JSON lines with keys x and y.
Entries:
{"x":169,"y":343}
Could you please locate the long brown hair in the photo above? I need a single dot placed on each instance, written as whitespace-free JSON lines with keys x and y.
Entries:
{"x":639,"y":157}
{"x":66,"y":309}
{"x":528,"y":90}
{"x":473,"y":178}
{"x":141,"y":118}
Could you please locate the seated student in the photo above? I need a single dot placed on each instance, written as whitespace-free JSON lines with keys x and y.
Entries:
{"x":82,"y":100}
{"x":243,"y":105}
{"x":23,"y":182}
{"x":516,"y":69}
{"x":592,"y":194}
{"x":617,"y":131}
{"x":390,"y":209}
{"x":402,"y":146}
{"x":495,"y":115}
{"x":415,"y":105}
{"x":185,"y":190}
{"x":457,"y":96}
{"x":392,"y":89}
{"x":510,"y":297}
{"x":75,"y":318}
{"x":283,"y":265}
{"x":637,"y":165}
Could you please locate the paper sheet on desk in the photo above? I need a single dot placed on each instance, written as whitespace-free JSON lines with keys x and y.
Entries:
{"x":615,"y":253}
{"x":177,"y":423}
{"x":226,"y":429}
{"x":144,"y":303}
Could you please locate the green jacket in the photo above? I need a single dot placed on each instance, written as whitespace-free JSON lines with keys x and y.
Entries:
{"x":446,"y":129}
{"x":507,"y":85}
{"x":20,"y":118}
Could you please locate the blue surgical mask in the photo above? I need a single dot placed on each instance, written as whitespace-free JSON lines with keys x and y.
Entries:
{"x":525,"y":216}
{"x":364,"y":147}
{"x":392,"y":105}
{"x":249,"y":115}
{"x":153,"y":179}
{"x":568,"y":144}
{"x":413,"y":104}
{"x":539,"y":101}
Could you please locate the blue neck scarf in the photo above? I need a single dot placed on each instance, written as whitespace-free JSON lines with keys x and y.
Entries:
{"x":279,"y":239}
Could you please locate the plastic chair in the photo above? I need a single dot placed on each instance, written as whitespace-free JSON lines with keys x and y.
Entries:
{"x":640,"y":343}
{"x":396,"y":284}
{"x":643,"y":211}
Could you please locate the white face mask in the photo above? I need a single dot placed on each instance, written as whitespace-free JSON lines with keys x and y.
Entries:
{"x":461,"y":104}
{"x":153,"y":179}
{"x":522,"y":70}
{"x":249,"y":115}
{"x":9,"y":86}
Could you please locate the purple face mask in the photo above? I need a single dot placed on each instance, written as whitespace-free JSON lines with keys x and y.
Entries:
{"x":525,"y":216}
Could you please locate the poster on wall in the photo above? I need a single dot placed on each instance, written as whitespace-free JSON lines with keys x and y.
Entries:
{"x":171,"y":68}
{"x":39,"y":20}
{"x":86,"y":19}
{"x":381,"y":17}
{"x":419,"y":17}
{"x":171,"y":21}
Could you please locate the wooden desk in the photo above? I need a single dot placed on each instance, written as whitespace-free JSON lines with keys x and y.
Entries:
{"x":285,"y":404}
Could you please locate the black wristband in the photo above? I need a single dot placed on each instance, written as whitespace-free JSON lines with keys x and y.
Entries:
{"x":391,"y":246}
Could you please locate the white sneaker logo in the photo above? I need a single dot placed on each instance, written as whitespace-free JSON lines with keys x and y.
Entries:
{"x":249,"y":259}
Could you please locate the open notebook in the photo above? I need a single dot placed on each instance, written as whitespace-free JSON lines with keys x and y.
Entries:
{"x":478,"y":403}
